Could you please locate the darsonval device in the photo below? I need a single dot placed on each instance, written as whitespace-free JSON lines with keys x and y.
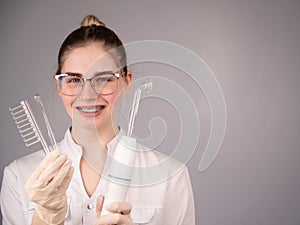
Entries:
{"x":120,"y":171}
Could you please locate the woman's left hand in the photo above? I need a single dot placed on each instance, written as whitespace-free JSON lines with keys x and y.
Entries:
{"x":120,"y":213}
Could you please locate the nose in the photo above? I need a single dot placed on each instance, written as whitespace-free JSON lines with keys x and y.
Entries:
{"x":87,"y":91}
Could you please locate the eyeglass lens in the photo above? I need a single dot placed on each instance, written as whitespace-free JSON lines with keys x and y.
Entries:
{"x":102,"y":84}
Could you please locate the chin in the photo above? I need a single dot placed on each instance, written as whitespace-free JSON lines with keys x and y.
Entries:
{"x":93,"y":124}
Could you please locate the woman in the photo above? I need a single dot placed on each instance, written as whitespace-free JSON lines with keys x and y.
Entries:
{"x":69,"y":186}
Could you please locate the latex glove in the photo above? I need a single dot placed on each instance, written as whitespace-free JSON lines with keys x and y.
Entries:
{"x":120,"y":213}
{"x":47,"y":187}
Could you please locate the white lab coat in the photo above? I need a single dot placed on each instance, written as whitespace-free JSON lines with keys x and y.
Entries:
{"x":163,"y":197}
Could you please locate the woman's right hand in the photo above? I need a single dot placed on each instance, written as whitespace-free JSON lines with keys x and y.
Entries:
{"x":47,"y":187}
{"x":119,"y":213}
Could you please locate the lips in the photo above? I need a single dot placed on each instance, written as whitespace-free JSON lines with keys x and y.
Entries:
{"x":90,"y":109}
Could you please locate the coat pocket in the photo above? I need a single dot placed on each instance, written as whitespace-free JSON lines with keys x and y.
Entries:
{"x":142,"y":215}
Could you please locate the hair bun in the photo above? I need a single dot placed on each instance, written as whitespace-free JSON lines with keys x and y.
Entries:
{"x":90,"y":20}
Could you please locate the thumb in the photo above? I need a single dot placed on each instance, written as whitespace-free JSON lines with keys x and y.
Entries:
{"x":99,"y":205}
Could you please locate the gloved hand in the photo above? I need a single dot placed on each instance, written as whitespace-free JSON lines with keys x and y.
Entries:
{"x":120,"y":213}
{"x":47,"y":187}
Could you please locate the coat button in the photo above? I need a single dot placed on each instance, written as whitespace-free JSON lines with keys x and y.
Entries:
{"x":90,"y":206}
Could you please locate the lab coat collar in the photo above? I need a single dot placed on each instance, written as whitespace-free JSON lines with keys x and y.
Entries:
{"x":77,"y":149}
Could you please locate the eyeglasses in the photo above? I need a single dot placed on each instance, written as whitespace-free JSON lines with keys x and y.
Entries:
{"x":104,"y":83}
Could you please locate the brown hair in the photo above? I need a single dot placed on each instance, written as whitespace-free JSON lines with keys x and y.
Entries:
{"x":92,"y":30}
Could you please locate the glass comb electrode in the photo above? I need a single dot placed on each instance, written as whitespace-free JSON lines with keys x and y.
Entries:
{"x":28,"y":126}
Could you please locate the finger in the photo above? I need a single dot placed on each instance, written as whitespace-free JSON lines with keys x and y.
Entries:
{"x":99,"y":205}
{"x":119,"y":207}
{"x":61,"y":175}
{"x":33,"y":182}
{"x":52,"y":169}
{"x":51,"y":157}
{"x":65,"y":183}
{"x":114,"y":218}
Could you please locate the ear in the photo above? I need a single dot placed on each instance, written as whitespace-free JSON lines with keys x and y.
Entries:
{"x":127,"y":82}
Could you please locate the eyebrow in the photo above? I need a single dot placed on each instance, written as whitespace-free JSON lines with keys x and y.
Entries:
{"x":103,"y":72}
{"x":95,"y":74}
{"x":73,"y":74}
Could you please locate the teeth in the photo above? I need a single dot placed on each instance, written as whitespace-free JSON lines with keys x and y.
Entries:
{"x":91,"y":110}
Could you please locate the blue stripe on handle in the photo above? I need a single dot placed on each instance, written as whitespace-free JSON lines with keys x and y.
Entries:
{"x":119,"y":178}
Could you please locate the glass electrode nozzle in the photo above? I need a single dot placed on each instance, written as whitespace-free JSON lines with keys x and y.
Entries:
{"x":146,"y":86}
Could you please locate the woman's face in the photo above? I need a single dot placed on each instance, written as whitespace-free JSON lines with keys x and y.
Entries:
{"x":88,"y":109}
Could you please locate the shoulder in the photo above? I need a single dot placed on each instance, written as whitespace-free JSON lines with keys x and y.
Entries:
{"x":154,"y":167}
{"x":149,"y":157}
{"x":31,"y":160}
{"x":16,"y":175}
{"x":24,"y":166}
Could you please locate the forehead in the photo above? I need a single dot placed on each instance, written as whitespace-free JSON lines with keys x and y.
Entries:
{"x":88,"y":59}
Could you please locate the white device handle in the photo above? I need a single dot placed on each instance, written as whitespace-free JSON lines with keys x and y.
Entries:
{"x":120,"y":172}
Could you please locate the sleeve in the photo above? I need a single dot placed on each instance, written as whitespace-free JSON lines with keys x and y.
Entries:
{"x":180,"y":208}
{"x":10,"y":199}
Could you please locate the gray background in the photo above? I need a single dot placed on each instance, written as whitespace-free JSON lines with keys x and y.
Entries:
{"x":251,"y":46}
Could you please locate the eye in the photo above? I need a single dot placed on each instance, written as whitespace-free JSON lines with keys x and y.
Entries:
{"x":72,"y":79}
{"x":103,"y":78}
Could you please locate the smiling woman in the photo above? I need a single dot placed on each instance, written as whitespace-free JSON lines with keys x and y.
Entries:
{"x":69,"y":186}
{"x":85,"y":98}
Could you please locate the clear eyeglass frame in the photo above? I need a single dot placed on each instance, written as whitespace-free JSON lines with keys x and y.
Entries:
{"x":59,"y":78}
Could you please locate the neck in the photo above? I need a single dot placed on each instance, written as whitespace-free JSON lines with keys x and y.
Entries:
{"x":88,"y":138}
{"x":94,"y":144}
